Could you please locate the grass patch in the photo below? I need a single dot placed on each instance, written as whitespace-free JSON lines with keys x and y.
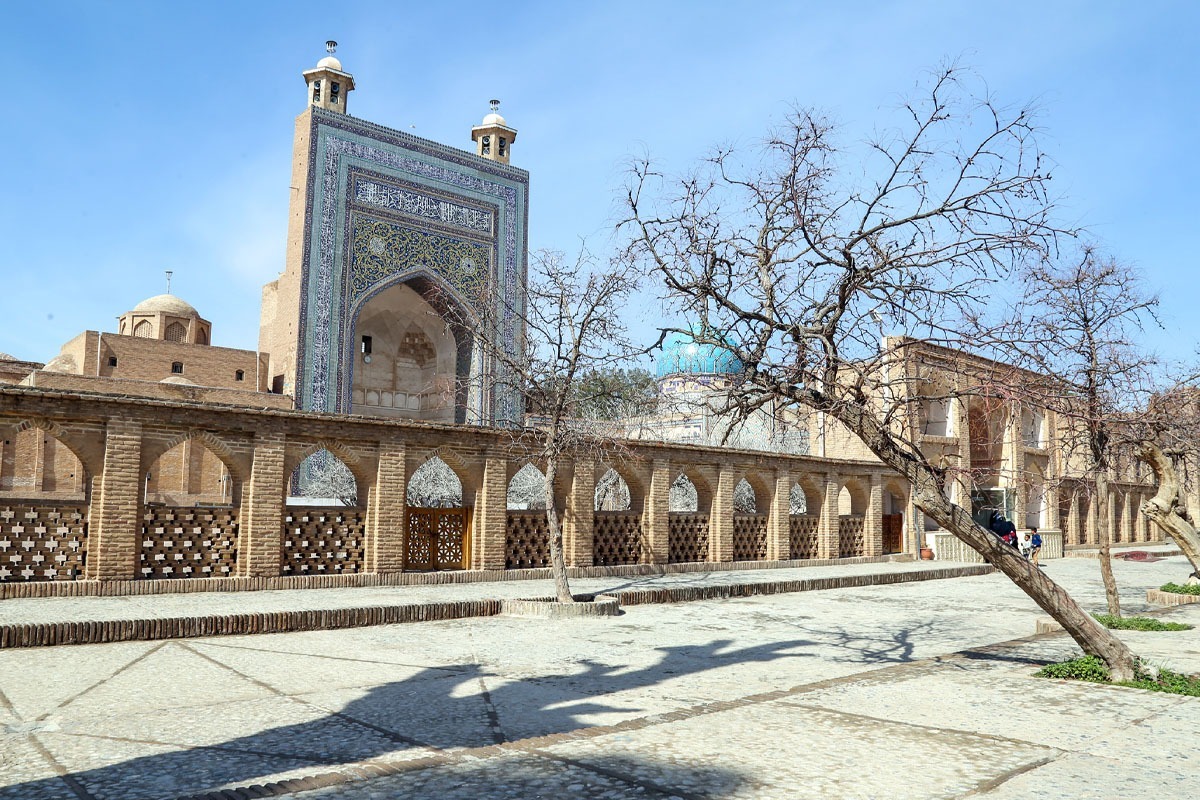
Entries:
{"x":1139,"y":623}
{"x":1084,"y":668}
{"x":1093,"y":670}
{"x":1175,"y":588}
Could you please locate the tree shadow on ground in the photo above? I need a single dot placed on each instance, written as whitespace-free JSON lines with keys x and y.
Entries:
{"x":433,"y":713}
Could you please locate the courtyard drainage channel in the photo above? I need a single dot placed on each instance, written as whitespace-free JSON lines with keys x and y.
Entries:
{"x":50,"y":634}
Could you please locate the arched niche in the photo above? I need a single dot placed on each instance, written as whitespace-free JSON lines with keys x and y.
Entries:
{"x":527,"y":489}
{"x":323,"y":479}
{"x":852,"y":499}
{"x":807,"y":493}
{"x":895,"y":497}
{"x":797,"y":501}
{"x":745,"y":499}
{"x":34,"y":462}
{"x":612,"y":492}
{"x":435,"y":485}
{"x":410,"y":354}
{"x":189,"y":473}
{"x":683,"y":498}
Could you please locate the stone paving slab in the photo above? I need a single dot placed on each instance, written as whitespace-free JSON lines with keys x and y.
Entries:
{"x":885,"y":691}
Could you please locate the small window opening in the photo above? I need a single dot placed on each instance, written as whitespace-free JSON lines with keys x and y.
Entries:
{"x":112,"y":361}
{"x":487,"y":145}
{"x":277,"y":384}
{"x":366,"y":345}
{"x":316,"y":91}
{"x":240,"y":375}
{"x":177,"y":367}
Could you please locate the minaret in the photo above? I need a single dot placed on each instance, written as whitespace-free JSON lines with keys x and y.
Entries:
{"x":493,"y":138}
{"x":328,"y":86}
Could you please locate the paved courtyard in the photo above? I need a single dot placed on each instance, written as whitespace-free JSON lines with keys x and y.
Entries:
{"x":920,"y":690}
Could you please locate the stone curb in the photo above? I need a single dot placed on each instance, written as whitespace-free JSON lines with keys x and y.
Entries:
{"x":100,"y":631}
{"x":586,"y":605}
{"x":1118,"y":552}
{"x":94,"y":588}
{"x":1161,"y":598}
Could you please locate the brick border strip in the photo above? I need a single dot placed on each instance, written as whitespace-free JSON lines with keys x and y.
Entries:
{"x":1160,"y":598}
{"x":130,"y":630}
{"x":92,"y":588}
{"x":681,"y":594}
{"x":48,"y":634}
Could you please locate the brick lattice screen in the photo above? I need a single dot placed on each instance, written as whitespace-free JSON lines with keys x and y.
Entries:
{"x":803,"y":536}
{"x":527,"y":541}
{"x":618,"y":538}
{"x":188,"y":542}
{"x":851,"y":541}
{"x":749,"y":537}
{"x":42,"y":543}
{"x":322,"y":541}
{"x":687,"y":538}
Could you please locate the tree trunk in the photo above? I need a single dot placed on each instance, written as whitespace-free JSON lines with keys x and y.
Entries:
{"x":930,"y":496}
{"x":1165,"y":508}
{"x":1104,"y":538}
{"x":558,"y":564}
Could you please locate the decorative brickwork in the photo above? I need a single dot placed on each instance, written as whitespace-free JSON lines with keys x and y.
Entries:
{"x":618,"y":538}
{"x":688,"y":538}
{"x":803,"y":536}
{"x":527,"y":544}
{"x":42,"y":543}
{"x":435,"y":538}
{"x":188,"y":542}
{"x":322,"y":541}
{"x":749,"y":537}
{"x":851,"y":536}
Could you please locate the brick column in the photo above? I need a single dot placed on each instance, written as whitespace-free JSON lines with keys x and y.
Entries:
{"x":779,"y":521}
{"x":491,"y":514}
{"x":1139,"y":519}
{"x":387,"y":511}
{"x":114,"y":526}
{"x":1050,"y":501}
{"x":873,"y":523}
{"x":656,"y":515}
{"x":1089,"y":530}
{"x":262,"y":508}
{"x":578,"y":516}
{"x":1074,"y":524}
{"x":828,"y":535}
{"x":720,"y":521}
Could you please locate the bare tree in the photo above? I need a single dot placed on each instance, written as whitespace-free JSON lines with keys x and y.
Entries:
{"x":798,"y":259}
{"x":572,"y":331}
{"x":1169,"y":447}
{"x":1073,"y":337}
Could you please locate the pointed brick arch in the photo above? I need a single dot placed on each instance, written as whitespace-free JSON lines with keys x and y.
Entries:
{"x":89,"y":454}
{"x":239,"y":468}
{"x":341,"y":451}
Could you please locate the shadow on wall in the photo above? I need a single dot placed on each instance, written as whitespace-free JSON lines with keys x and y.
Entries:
{"x":434,"y":710}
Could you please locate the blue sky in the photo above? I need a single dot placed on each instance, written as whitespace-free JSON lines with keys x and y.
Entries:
{"x":142,"y":137}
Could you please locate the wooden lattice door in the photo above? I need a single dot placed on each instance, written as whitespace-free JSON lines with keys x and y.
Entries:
{"x":436,"y":539}
{"x":893,"y":533}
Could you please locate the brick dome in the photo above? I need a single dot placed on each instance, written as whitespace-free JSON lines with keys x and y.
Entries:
{"x":166,"y":304}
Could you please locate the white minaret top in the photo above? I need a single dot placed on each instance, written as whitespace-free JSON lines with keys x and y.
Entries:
{"x":328,"y":86}
{"x":493,"y":138}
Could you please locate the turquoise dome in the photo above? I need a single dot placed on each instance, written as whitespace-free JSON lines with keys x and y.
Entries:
{"x":683,"y":355}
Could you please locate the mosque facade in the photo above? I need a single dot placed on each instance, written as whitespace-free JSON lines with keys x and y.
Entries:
{"x":393,"y":241}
